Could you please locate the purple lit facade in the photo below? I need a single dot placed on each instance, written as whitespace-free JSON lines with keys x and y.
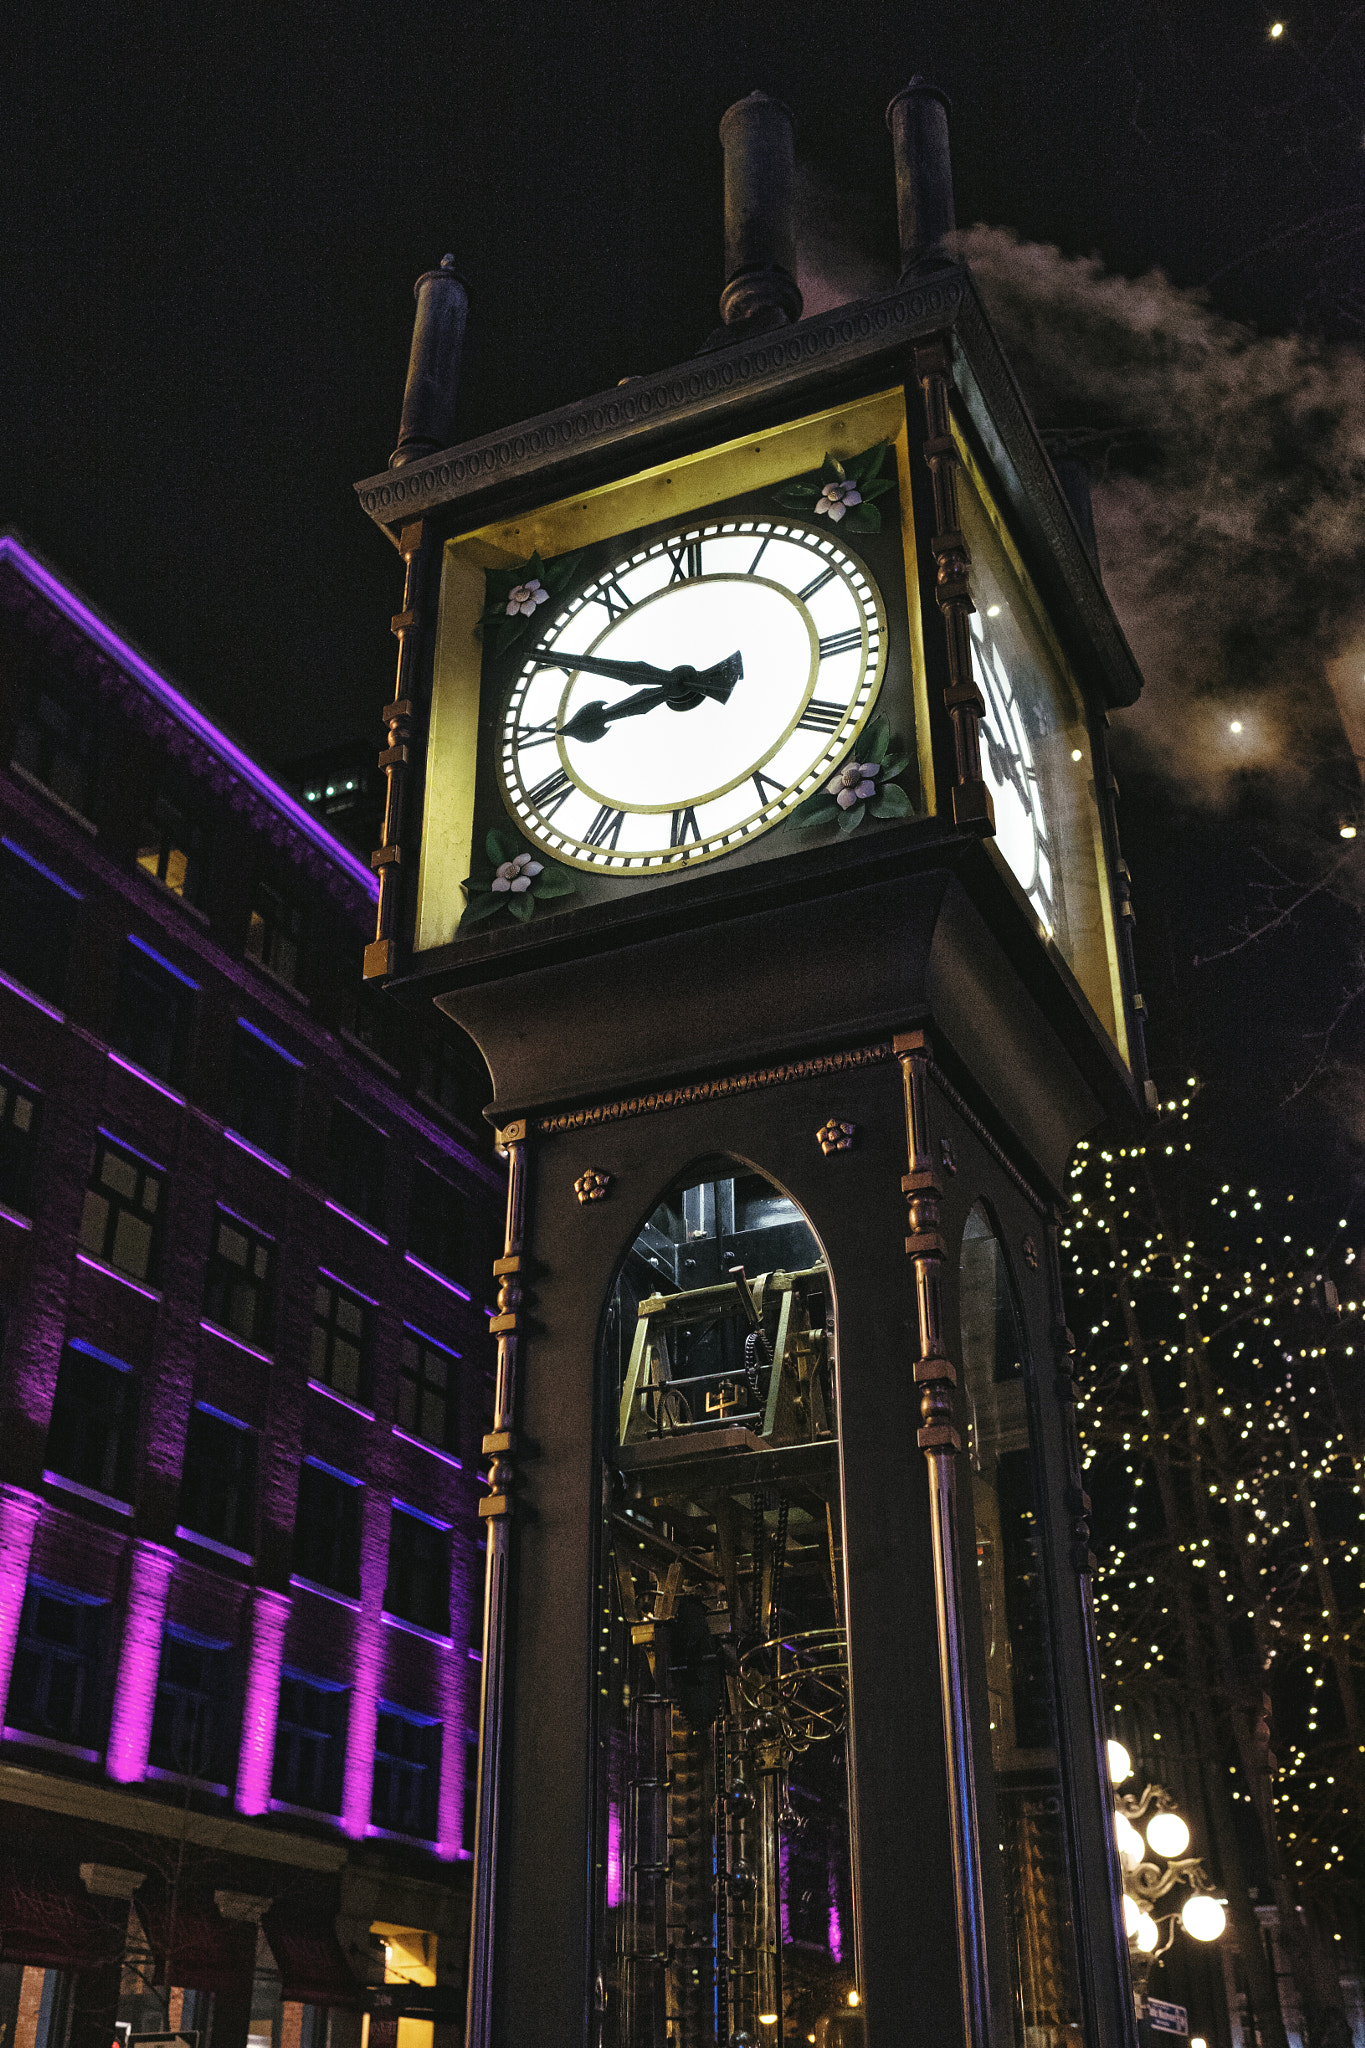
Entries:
{"x":245,"y":1370}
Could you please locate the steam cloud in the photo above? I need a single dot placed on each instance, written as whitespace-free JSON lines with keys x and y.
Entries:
{"x":1229,"y":489}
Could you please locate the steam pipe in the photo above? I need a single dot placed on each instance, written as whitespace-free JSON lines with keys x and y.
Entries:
{"x":918,"y":120}
{"x":758,"y":136}
{"x":433,"y":364}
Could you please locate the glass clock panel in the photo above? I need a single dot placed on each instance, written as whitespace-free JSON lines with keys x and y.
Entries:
{"x":722,"y":1861}
{"x":1030,"y":1807}
{"x":692,"y":695}
{"x":1035,"y":755}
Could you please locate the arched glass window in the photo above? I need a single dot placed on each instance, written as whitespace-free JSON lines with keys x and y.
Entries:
{"x":722,"y":1845}
{"x":1026,"y":1768}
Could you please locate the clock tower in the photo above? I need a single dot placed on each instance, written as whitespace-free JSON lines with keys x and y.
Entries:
{"x":748,"y":805}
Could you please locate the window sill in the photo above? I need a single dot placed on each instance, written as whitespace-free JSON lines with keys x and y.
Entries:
{"x":415,"y":1628}
{"x":51,"y":1744}
{"x":124,"y":1279}
{"x":394,"y":1073}
{"x":119,"y":1059}
{"x":331,"y":1820}
{"x":278,"y":981}
{"x":451,"y":1286}
{"x":243,"y":1557}
{"x":342,"y":1400}
{"x":452,"y":1116}
{"x":349,"y":1216}
{"x":374,"y":1833}
{"x":157,"y":1776}
{"x":15,"y":1216}
{"x":69,"y":810}
{"x":420,"y":1444}
{"x":28,"y":995}
{"x":168,"y":895}
{"x":255,"y":1152}
{"x":237,"y":1343}
{"x":302,"y":1585}
{"x":90,"y":1493}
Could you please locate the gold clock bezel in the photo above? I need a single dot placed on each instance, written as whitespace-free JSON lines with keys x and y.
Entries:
{"x":861,"y":702}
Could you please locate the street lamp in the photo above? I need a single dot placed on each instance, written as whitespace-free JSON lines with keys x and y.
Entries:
{"x":1153,"y":1867}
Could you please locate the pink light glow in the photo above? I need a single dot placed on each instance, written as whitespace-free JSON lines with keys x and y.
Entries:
{"x":260,"y":1712}
{"x":130,"y":1727}
{"x":350,"y":1216}
{"x":453,"y":1286}
{"x":141,"y":1074}
{"x":94,"y":626}
{"x":614,"y":1888}
{"x":19,"y":1512}
{"x":360,"y":1733}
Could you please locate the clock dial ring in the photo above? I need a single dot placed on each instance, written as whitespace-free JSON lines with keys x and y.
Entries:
{"x":823,"y":609}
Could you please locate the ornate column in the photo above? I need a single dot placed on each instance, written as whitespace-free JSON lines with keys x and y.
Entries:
{"x":940,"y":1442}
{"x":499,"y":1445}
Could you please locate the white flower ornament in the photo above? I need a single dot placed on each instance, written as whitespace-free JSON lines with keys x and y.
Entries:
{"x":852,"y":785}
{"x":524,"y":597}
{"x":837,"y":498}
{"x":516,"y":876}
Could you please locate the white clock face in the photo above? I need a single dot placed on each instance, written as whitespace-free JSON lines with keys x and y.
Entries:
{"x":692,"y":696}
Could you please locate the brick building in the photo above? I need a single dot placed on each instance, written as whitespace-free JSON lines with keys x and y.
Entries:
{"x":246,"y":1217}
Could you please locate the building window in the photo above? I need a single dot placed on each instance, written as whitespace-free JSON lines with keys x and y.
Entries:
{"x":55,"y":742}
{"x":355,"y":1164}
{"x":310,"y":1742}
{"x":339,"y":1354}
{"x":92,"y":1437}
{"x":192,"y":1720}
{"x":418,"y":1587}
{"x":437,"y":1226}
{"x":263,"y":1091}
{"x":56,"y":1683}
{"x":426,"y":1389}
{"x":171,"y":850}
{"x":239,"y":1295}
{"x":154,"y":1012}
{"x":374,"y":1019}
{"x":121,"y":1222}
{"x":327,"y":1527}
{"x":451,"y":1075}
{"x":407,"y":1768}
{"x":37,"y":923}
{"x":19,"y":1107}
{"x":218,"y":1486}
{"x":275,"y":934}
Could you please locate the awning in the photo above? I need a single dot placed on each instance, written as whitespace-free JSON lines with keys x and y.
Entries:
{"x":311,"y":1961}
{"x":54,"y":1926}
{"x":194,"y":1946}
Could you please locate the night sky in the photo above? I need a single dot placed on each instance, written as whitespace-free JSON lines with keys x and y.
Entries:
{"x":212,"y":221}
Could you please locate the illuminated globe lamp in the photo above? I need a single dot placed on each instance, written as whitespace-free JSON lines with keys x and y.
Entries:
{"x":1153,"y":1867}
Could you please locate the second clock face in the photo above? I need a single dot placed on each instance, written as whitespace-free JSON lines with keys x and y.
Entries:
{"x":691,"y":696}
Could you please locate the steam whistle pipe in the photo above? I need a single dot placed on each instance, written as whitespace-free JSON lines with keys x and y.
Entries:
{"x":433,"y":364}
{"x":918,"y":120}
{"x":758,"y":136}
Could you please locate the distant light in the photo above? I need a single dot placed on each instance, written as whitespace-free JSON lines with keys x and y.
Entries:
{"x":1276,"y":31}
{"x":1196,"y":2041}
{"x":767,"y":2019}
{"x":992,"y":611}
{"x":1120,"y":1763}
{"x":1203,"y":1917}
{"x":1075,"y":753}
{"x":1236,"y":725}
{"x":853,"y":1998}
{"x":1348,"y":831}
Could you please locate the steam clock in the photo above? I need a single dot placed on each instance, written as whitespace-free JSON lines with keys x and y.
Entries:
{"x":748,"y":806}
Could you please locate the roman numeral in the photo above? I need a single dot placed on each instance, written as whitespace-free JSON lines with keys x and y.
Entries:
{"x":686,"y":560}
{"x":764,"y":784}
{"x":685,"y":826}
{"x":821,"y":717}
{"x":613,"y":597}
{"x":816,"y":583}
{"x":605,"y":828}
{"x":841,"y":643}
{"x":548,"y":795}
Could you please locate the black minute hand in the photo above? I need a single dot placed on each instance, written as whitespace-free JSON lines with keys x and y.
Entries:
{"x":716,"y":682}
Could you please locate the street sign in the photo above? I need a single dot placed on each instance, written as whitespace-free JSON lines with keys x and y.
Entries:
{"x":1167,"y":2019}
